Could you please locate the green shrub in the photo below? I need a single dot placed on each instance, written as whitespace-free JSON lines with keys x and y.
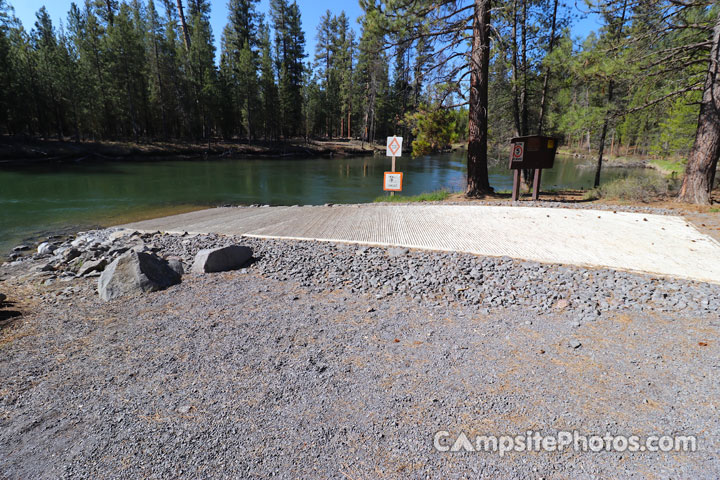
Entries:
{"x":638,"y":188}
{"x":436,"y":196}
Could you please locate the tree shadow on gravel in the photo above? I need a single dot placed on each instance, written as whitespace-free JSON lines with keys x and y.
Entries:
{"x":251,"y":261}
{"x":8,"y":317}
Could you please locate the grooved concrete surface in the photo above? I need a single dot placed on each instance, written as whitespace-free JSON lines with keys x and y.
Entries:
{"x":657,"y":244}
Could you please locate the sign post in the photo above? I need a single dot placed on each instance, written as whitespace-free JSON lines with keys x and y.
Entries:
{"x":392,"y":180}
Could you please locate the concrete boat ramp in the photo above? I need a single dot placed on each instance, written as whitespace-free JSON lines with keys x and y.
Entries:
{"x":656,"y":244}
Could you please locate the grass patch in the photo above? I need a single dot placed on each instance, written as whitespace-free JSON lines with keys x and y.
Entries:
{"x":636,"y":188}
{"x":674,"y":168}
{"x":436,"y":196}
{"x":715,"y":210}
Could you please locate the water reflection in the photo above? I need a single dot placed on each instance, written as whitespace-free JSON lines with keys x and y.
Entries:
{"x":46,"y":198}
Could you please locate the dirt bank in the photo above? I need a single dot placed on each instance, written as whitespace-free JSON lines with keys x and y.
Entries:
{"x":15,"y":150}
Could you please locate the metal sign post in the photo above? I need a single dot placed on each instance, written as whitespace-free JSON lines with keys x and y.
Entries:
{"x":392,"y":180}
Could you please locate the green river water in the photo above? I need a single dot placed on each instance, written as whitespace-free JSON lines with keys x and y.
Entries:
{"x":36,"y":200}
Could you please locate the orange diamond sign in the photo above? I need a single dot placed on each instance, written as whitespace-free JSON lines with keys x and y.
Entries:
{"x":394,"y":146}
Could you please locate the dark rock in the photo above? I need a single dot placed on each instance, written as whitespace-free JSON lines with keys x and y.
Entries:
{"x":21,"y":248}
{"x":176,"y":264}
{"x":118,"y":251}
{"x":221,"y":259}
{"x":92,"y":266}
{"x":136,"y":272}
{"x":71,"y":254}
{"x":48,"y":267}
{"x":2,"y":298}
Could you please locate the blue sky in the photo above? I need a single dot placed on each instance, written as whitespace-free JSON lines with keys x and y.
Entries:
{"x":311,"y":11}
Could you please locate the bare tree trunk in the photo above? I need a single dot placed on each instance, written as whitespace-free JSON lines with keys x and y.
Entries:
{"x":603,"y":134}
{"x":703,"y":158}
{"x":183,"y":23}
{"x":546,"y":79}
{"x":478,"y":182}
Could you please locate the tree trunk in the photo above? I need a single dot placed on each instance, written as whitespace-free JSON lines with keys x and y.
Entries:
{"x":606,"y":121}
{"x":546,"y":79}
{"x":477,"y":169}
{"x":183,"y":23}
{"x":524,"y":92}
{"x":111,"y":16}
{"x":703,"y":158}
{"x":603,"y":135}
{"x":514,"y":86}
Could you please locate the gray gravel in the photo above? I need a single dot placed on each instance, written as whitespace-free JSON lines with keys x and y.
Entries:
{"x":441,"y":277}
{"x":322,"y":360}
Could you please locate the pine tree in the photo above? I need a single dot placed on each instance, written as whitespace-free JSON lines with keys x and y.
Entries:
{"x":158,"y":82}
{"x":240,"y":55}
{"x":346,"y":56}
{"x":126,"y":65}
{"x":268,"y":87}
{"x":6,"y":66}
{"x":290,"y":47}
{"x":201,"y":67}
{"x":47,"y":64}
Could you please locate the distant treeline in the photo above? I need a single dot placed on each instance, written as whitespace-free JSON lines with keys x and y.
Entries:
{"x":146,"y":69}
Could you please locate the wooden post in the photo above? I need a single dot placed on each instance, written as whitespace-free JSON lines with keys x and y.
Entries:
{"x":536,"y":184}
{"x":516,"y":185}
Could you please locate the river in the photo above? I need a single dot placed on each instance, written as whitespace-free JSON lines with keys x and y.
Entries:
{"x":39,"y":199}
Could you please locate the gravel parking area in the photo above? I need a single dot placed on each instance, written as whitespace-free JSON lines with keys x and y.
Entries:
{"x":339,"y":361}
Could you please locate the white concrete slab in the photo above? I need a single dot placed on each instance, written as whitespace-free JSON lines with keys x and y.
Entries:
{"x":657,"y":244}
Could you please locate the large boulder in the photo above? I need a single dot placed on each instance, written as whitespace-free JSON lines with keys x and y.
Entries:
{"x":136,"y":272}
{"x":221,"y":259}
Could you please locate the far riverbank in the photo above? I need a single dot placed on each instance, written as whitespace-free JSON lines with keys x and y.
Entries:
{"x":22,"y":150}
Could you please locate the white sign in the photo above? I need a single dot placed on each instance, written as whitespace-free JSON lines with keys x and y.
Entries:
{"x":394,"y":146}
{"x":392,"y":181}
{"x":518,"y":152}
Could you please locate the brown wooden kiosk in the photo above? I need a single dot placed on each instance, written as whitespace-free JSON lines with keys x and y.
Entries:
{"x":532,"y":152}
